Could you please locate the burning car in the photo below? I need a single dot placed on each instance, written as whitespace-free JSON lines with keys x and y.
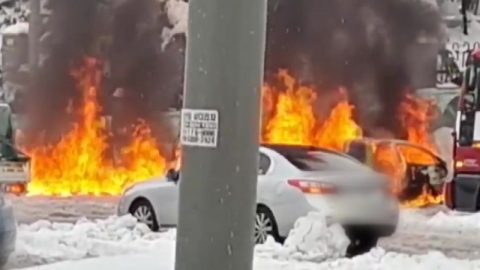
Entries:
{"x":293,"y":180}
{"x":418,"y":173}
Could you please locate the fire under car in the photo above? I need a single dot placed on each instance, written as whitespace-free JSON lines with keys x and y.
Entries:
{"x":415,"y":169}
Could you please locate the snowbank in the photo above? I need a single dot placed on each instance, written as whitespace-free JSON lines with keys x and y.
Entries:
{"x":163,"y":259}
{"x":47,"y":242}
{"x":311,"y":240}
{"x":177,"y":13}
{"x":16,"y":29}
{"x":123,"y":244}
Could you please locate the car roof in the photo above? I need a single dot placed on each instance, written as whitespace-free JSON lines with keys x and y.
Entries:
{"x":294,"y":149}
{"x":397,"y":142}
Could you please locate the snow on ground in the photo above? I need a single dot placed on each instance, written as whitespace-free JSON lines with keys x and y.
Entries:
{"x":305,"y":249}
{"x":16,"y":29}
{"x":71,"y":209}
{"x":45,"y":242}
{"x":420,"y":231}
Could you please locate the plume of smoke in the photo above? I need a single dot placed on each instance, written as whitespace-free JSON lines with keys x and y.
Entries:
{"x":376,"y":49}
{"x":70,"y":35}
{"x":150,"y":76}
{"x":371,"y":47}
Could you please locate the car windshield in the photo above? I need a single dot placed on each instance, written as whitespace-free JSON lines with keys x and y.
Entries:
{"x":324,"y":161}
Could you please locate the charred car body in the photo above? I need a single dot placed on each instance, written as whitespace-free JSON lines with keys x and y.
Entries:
{"x":414,"y":168}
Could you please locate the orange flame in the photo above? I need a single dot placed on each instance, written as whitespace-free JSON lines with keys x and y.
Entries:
{"x":78,"y":163}
{"x":293,"y":120}
{"x":289,"y":118}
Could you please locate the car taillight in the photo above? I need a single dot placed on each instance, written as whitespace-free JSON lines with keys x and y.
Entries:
{"x":459,"y":164}
{"x":313,"y":187}
{"x":389,"y":189}
{"x":16,"y":189}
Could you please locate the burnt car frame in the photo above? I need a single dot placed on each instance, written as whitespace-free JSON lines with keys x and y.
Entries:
{"x":415,"y":177}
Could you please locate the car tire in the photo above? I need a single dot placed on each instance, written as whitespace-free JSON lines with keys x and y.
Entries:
{"x":361,"y":244}
{"x":362,"y":239}
{"x":3,"y":260}
{"x":265,"y":225}
{"x":143,"y":211}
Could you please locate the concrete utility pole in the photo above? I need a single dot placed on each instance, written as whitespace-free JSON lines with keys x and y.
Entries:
{"x":34,"y":32}
{"x":220,"y":134}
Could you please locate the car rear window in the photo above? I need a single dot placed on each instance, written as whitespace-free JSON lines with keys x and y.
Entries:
{"x":324,"y":161}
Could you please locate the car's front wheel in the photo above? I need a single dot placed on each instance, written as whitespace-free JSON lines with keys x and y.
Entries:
{"x":265,"y":225}
{"x":143,"y":211}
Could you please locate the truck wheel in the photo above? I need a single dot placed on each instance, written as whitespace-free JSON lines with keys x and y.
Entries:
{"x":448,"y":195}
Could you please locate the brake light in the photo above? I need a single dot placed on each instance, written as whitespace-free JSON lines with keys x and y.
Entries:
{"x":459,"y":164}
{"x":16,"y":189}
{"x":313,"y":187}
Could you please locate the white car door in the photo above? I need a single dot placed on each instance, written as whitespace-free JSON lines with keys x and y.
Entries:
{"x":175,"y":199}
{"x":265,"y":184}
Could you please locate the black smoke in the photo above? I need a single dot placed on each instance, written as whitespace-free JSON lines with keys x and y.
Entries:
{"x":69,"y":34}
{"x":150,"y":77}
{"x":375,"y":48}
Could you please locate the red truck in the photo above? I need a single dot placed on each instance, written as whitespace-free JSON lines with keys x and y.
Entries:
{"x":463,"y":191}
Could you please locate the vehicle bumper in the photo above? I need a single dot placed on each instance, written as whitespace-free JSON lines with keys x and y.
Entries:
{"x":381,"y":213}
{"x":8,"y":230}
{"x":122,"y":207}
{"x":462,"y":193}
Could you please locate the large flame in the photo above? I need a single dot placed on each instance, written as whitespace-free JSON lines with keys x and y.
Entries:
{"x":78,"y":163}
{"x":293,"y":120}
{"x":289,"y":118}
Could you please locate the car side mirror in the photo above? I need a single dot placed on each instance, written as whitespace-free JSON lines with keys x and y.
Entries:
{"x":173,"y":175}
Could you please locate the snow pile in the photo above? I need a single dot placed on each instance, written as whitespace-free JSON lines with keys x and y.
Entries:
{"x":49,"y":242}
{"x":12,"y":12}
{"x":311,"y":240}
{"x":177,"y":13}
{"x":16,"y":29}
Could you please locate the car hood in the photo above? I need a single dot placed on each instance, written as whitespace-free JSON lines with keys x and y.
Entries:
{"x":156,"y":182}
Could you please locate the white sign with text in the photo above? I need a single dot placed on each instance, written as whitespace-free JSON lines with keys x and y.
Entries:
{"x":199,"y":128}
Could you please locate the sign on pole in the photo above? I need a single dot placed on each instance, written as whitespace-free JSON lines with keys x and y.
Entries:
{"x":199,"y":128}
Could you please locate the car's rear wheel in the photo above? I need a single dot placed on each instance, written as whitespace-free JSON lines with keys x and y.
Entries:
{"x":4,"y":260}
{"x":362,"y":245}
{"x":362,"y":240}
{"x":265,"y":225}
{"x":143,"y":211}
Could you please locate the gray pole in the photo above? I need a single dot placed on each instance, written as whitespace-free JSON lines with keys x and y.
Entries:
{"x":224,"y":73}
{"x":34,"y":31}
